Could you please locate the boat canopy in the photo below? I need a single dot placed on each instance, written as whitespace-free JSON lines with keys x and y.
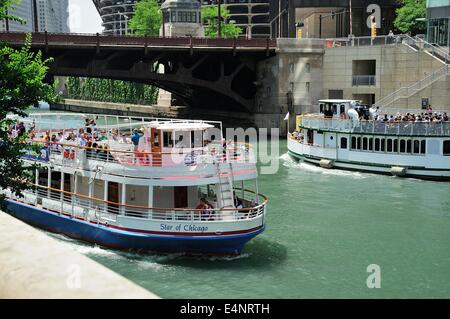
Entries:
{"x":186,"y":126}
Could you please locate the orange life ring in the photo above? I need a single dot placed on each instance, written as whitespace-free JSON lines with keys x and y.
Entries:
{"x":66,"y":153}
{"x":72,"y":154}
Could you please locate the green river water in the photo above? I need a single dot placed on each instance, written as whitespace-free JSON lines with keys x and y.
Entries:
{"x":324,"y":227}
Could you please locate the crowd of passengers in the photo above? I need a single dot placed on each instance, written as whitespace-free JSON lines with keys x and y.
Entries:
{"x":88,"y":137}
{"x":425,"y":117}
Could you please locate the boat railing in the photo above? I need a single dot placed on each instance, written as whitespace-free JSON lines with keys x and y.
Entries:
{"x":72,"y":154}
{"x":98,"y":210}
{"x":376,"y":127}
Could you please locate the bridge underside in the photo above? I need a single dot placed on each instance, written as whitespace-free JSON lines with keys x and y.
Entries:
{"x":211,"y":79}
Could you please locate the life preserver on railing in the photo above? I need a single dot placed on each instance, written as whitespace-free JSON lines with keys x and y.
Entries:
{"x":72,"y":154}
{"x":66,"y":153}
{"x":207,"y":214}
{"x":190,"y":159}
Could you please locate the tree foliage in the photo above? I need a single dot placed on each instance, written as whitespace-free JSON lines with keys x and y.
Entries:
{"x":22,"y":75}
{"x":147,"y":18}
{"x":5,"y":6}
{"x":407,"y":16}
{"x":210,"y":18}
{"x":106,"y":90}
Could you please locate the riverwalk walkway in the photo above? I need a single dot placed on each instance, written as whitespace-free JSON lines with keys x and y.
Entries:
{"x":34,"y":265}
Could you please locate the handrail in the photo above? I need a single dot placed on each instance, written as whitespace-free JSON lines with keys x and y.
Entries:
{"x":435,"y":47}
{"x":248,"y":209}
{"x":239,"y":154}
{"x":422,"y":83}
{"x":377,"y":127}
{"x":405,"y":92}
{"x":48,"y":38}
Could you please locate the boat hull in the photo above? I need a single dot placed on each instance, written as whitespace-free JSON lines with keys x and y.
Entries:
{"x":425,"y":174}
{"x":104,"y":235}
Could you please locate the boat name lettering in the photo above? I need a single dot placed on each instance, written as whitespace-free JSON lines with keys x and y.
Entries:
{"x":188,"y":228}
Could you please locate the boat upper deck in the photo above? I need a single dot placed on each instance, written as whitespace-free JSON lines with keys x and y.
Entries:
{"x":131,"y":141}
{"x":389,"y":127}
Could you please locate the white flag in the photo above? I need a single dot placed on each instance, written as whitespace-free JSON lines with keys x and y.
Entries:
{"x":286,"y":117}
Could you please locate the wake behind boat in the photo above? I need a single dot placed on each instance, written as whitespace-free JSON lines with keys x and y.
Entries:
{"x":344,"y":135}
{"x":142,"y":184}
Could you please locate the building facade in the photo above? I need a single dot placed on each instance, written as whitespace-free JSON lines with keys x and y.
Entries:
{"x":40,"y":16}
{"x":53,"y":16}
{"x":438,"y":17}
{"x":116,"y":15}
{"x":182,"y":18}
{"x":330,"y":18}
{"x":252,"y":16}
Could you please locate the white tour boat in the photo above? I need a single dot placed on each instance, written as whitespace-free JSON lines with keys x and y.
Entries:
{"x":337,"y":137}
{"x":181,"y":189}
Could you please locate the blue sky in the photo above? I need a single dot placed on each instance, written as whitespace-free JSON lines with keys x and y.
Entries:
{"x":84,"y":17}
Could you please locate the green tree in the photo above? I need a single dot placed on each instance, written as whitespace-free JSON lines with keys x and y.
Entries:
{"x":5,"y":6}
{"x":22,"y":75}
{"x":210,"y":18}
{"x":147,"y":18}
{"x":407,"y":16}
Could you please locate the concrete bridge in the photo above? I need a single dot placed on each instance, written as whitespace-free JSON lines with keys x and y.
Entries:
{"x":205,"y":73}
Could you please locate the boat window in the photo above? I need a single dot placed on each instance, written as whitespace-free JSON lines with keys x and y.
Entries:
{"x":353,"y":142}
{"x":402,"y":146}
{"x":334,"y":109}
{"x":370,"y":144}
{"x":365,"y":143}
{"x":447,"y":147}
{"x":343,"y":142}
{"x":197,"y":139}
{"x":423,"y":146}
{"x":167,"y":139}
{"x":181,"y":139}
{"x":310,"y":137}
{"x":43,"y":177}
{"x":389,"y":145}
{"x":408,"y":146}
{"x":416,"y":147}
{"x":359,"y":142}
{"x":321,"y":108}
{"x":156,"y":138}
{"x":192,"y":138}
{"x":342,"y":111}
{"x":434,"y":147}
{"x":382,"y":143}
{"x":395,"y":146}
{"x":377,"y":145}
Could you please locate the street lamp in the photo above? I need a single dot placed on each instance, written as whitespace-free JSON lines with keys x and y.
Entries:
{"x":126,"y":23}
{"x":299,"y":32}
{"x":271,"y":22}
{"x":332,"y":14}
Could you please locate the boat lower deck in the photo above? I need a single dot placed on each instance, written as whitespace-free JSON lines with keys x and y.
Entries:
{"x":116,"y":238}
{"x":411,"y":172}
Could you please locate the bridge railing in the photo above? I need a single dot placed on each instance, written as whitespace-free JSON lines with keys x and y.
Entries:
{"x":47,"y":38}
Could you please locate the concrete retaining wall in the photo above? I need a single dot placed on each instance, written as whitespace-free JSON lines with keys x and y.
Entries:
{"x":34,"y":265}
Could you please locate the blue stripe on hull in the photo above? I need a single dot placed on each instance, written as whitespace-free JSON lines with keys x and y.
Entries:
{"x":125,"y":240}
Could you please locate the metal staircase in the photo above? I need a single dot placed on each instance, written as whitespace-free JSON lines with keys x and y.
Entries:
{"x":225,"y":186}
{"x":439,"y":53}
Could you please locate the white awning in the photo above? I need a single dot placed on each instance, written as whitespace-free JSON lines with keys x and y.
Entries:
{"x":186,"y":126}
